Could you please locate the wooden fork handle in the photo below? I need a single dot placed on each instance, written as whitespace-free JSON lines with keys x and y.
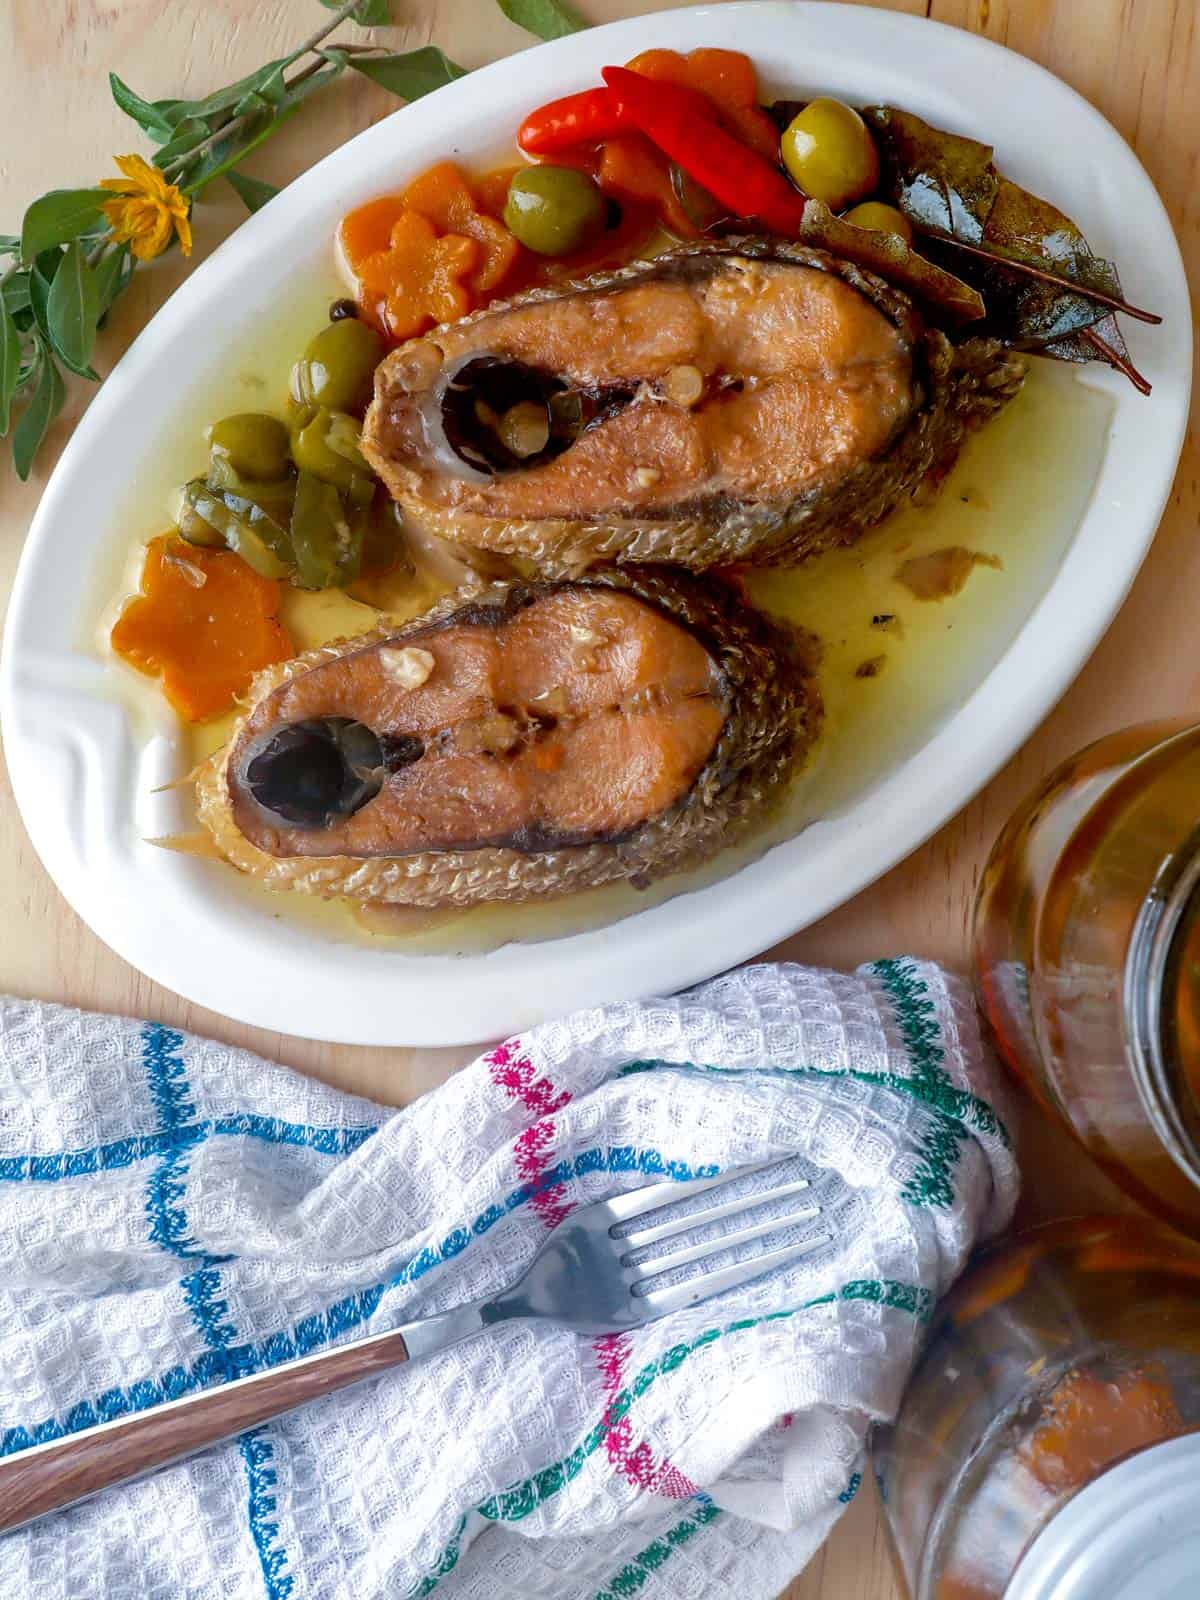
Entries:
{"x":51,"y":1476}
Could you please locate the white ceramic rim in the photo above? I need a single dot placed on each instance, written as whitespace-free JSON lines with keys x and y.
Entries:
{"x":81,"y":777}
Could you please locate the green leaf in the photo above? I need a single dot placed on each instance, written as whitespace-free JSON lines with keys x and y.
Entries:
{"x":254,"y":106}
{"x":262,"y":81}
{"x":411,"y":75}
{"x":167,"y":114}
{"x":369,"y":14}
{"x":260,"y":99}
{"x":149,"y":117}
{"x":35,"y":420}
{"x":254,"y":192}
{"x":227,"y":153}
{"x":188,"y":134}
{"x":61,"y":215}
{"x":164,"y":119}
{"x":41,"y":286}
{"x":173,"y":112}
{"x":73,"y":309}
{"x":10,"y":364}
{"x":112,"y":274}
{"x":40,"y":280}
{"x":15,"y":292}
{"x":549,"y":19}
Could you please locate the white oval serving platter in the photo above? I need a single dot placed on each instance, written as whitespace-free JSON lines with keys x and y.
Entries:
{"x":83,"y":767}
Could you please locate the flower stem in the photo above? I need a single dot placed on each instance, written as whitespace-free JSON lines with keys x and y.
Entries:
{"x":323,"y":32}
{"x":174,"y":169}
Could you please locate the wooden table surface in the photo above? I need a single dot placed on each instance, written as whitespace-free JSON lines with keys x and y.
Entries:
{"x":1137,"y":60}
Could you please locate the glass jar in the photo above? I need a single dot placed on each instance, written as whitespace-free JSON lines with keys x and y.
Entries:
{"x":1056,"y":1364}
{"x":1087,"y":955}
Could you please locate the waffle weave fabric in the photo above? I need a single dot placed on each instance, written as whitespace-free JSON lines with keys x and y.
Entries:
{"x":174,"y":1212}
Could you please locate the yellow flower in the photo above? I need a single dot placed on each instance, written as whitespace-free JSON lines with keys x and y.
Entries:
{"x":148,"y":209}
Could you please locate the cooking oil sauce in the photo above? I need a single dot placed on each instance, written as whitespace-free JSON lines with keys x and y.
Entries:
{"x":892,"y":667}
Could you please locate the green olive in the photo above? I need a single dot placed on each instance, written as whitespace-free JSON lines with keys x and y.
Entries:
{"x":337,"y":369}
{"x":880,"y":218}
{"x":254,"y":444}
{"x":327,"y":447}
{"x":829,"y":151}
{"x":554,"y":210}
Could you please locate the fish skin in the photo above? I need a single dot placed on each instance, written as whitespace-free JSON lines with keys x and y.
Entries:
{"x":961,"y":385}
{"x":773,"y":718}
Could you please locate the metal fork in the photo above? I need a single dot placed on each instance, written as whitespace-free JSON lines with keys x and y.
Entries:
{"x":589,"y":1275}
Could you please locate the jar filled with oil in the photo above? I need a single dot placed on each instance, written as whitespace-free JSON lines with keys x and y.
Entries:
{"x":1087,"y":952}
{"x":1048,"y":1445}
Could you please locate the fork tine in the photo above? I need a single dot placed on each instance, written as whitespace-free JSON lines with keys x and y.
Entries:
{"x":638,"y":1201}
{"x":724,"y":1241}
{"x":704,"y":1286}
{"x":641,"y":1237}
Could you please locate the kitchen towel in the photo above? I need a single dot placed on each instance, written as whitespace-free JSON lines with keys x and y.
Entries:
{"x":174,"y":1212}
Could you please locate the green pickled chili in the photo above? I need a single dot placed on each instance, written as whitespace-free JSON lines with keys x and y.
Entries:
{"x":326,"y":535}
{"x":242,"y":525}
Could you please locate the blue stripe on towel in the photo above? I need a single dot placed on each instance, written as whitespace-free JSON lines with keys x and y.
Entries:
{"x":166,"y":1185}
{"x":261,"y":1505}
{"x":272,"y":1130}
{"x":60,"y":1165}
{"x":165,"y":1211}
{"x":82,"y":1163}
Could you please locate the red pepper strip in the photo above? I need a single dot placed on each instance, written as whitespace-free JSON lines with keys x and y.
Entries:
{"x":741,"y":179}
{"x":587,"y":118}
{"x":575,"y":119}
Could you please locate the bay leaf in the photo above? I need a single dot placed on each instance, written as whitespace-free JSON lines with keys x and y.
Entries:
{"x":1032,"y":313}
{"x":889,"y":256}
{"x":1026,"y":257}
{"x":943,"y":182}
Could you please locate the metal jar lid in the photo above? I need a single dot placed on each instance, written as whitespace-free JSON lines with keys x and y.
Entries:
{"x":1132,"y":1534}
